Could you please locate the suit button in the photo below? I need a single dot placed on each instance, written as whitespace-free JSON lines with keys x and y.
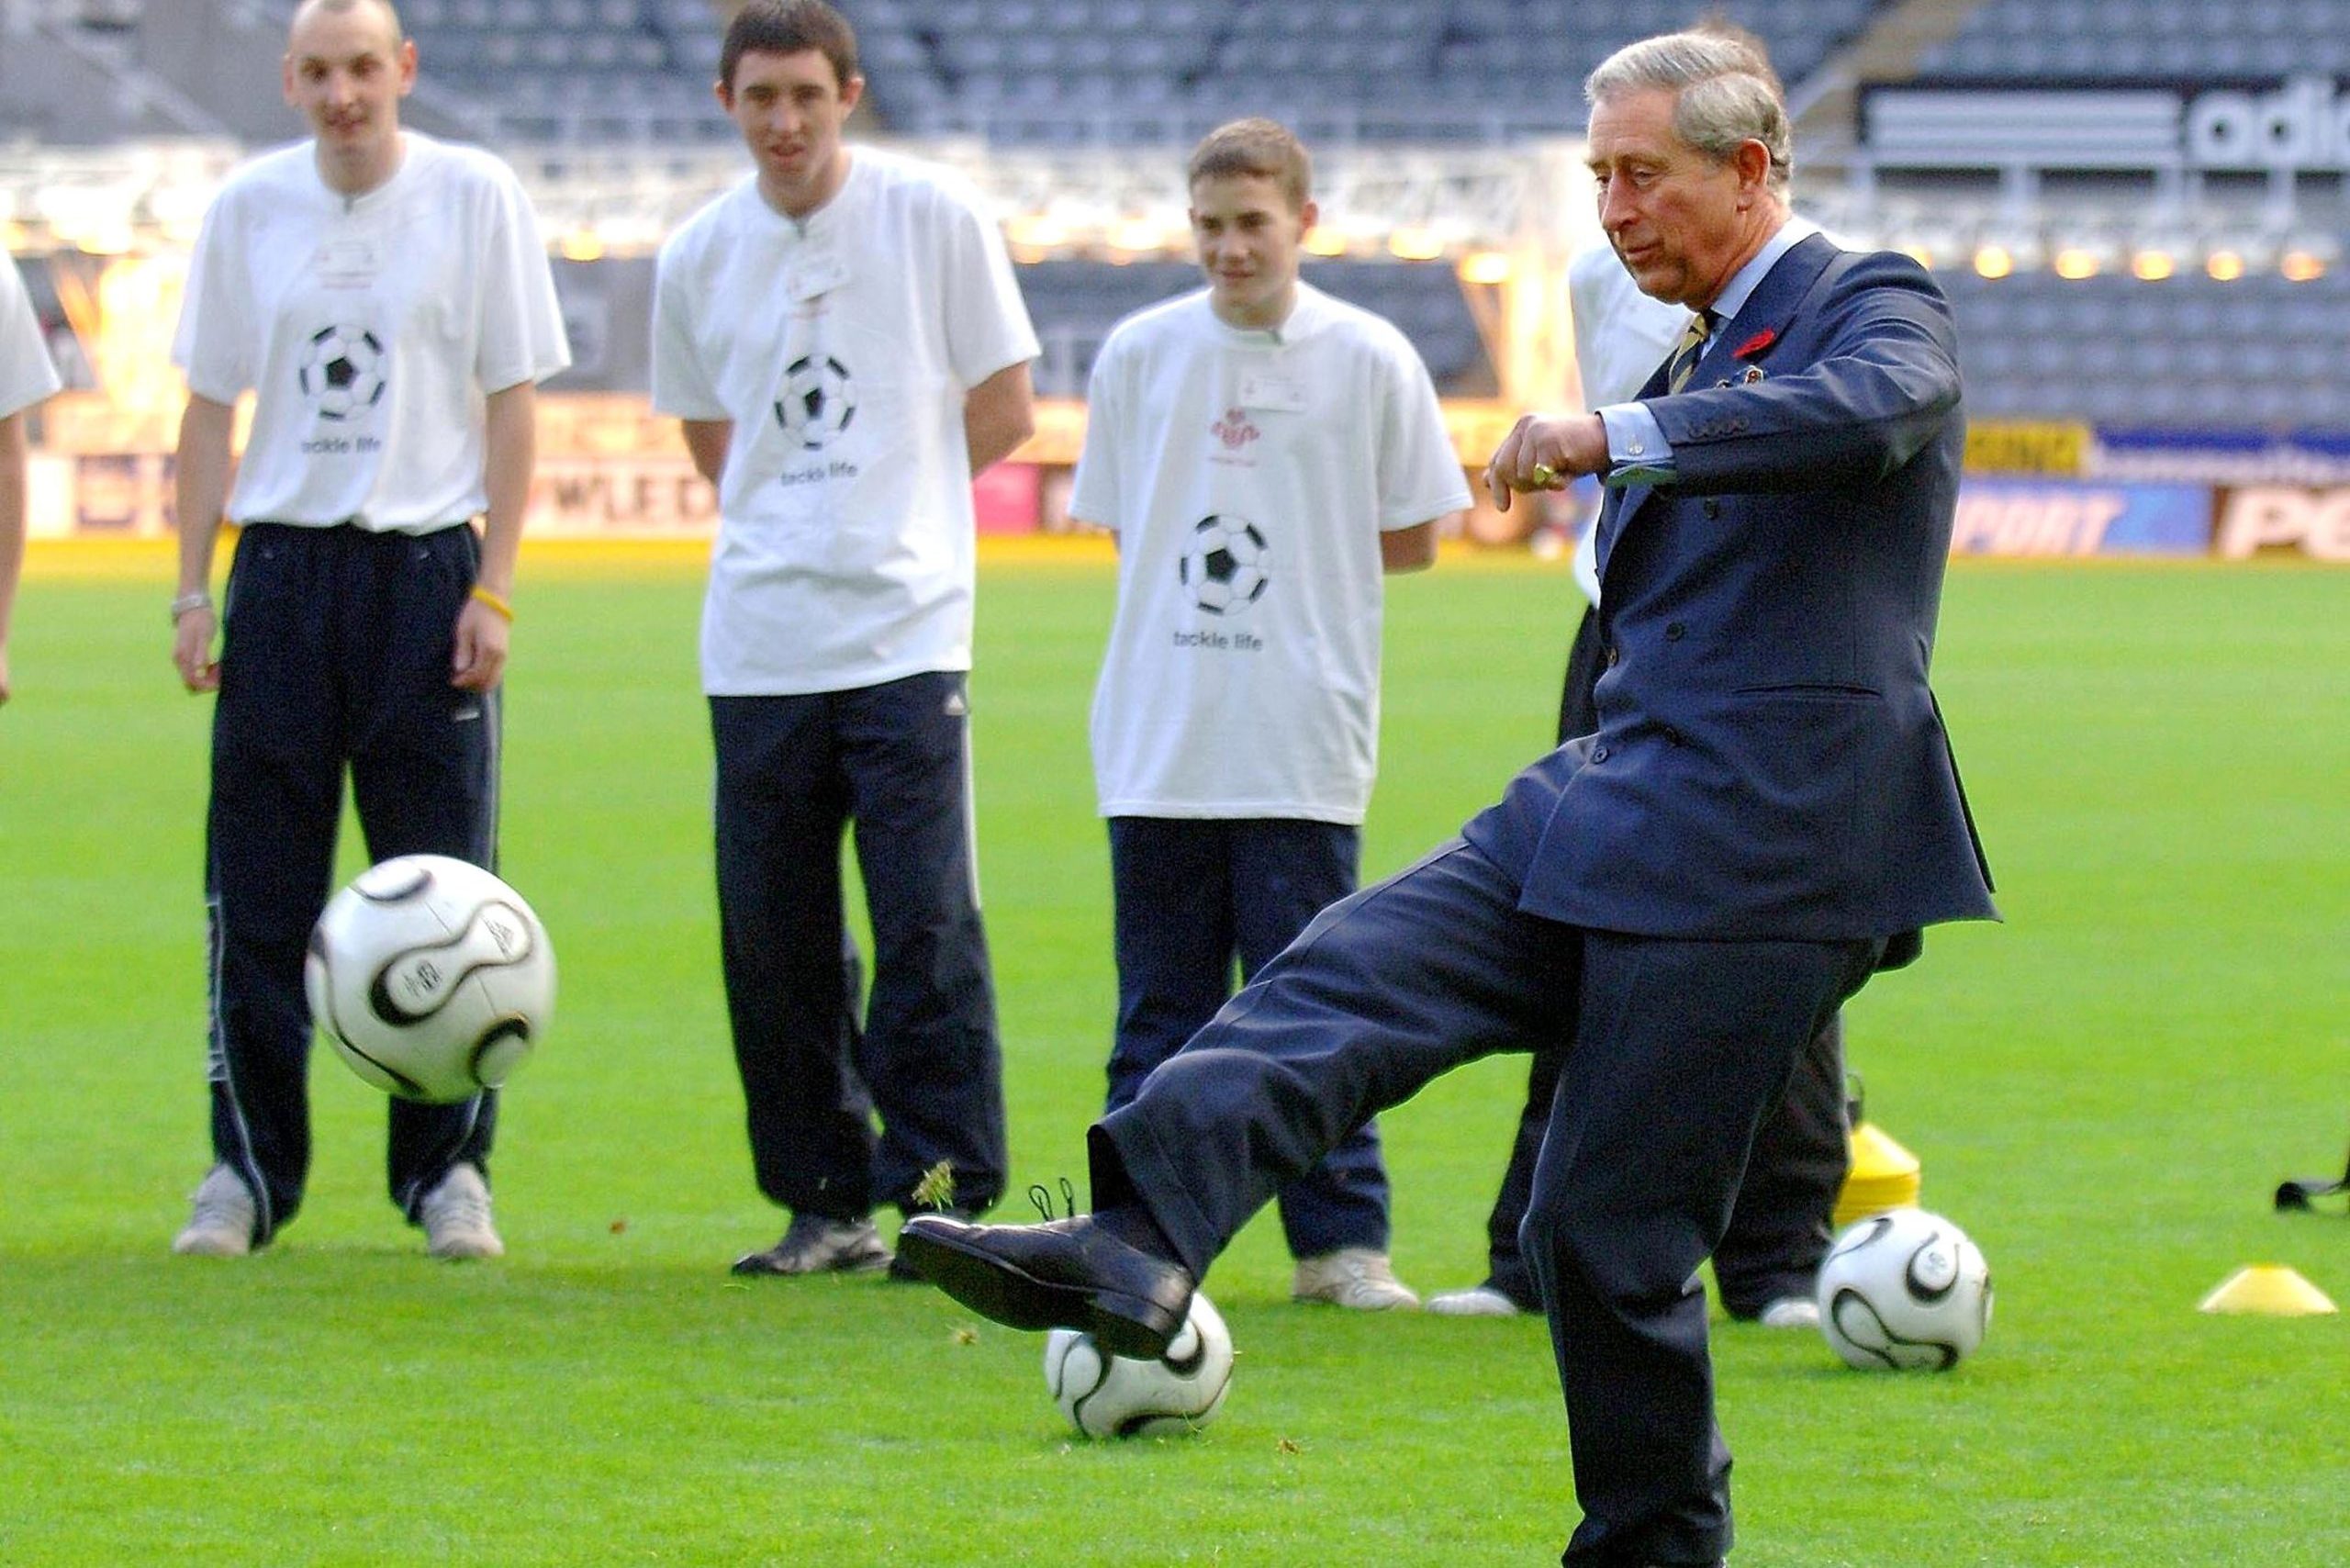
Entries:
{"x":1674,"y":631}
{"x":1612,"y":656}
{"x":1713,"y":509}
{"x":1599,"y":753}
{"x":1671,"y":735}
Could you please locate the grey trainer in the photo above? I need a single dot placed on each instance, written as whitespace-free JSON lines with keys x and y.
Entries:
{"x":815,"y":1244}
{"x":1354,"y":1277}
{"x":222,"y":1223}
{"x":457,"y":1218}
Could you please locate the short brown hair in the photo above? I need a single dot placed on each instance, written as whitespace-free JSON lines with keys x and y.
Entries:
{"x":1260,"y":148}
{"x":789,"y":27}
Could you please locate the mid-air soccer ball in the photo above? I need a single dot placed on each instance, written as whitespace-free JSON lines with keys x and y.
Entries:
{"x":1114,"y":1396}
{"x":1905,"y":1289}
{"x":1225,"y":565}
{"x":818,"y":402}
{"x":343,"y":372}
{"x":431,"y":977}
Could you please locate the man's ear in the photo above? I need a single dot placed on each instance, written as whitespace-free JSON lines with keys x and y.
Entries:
{"x":1752,"y":160}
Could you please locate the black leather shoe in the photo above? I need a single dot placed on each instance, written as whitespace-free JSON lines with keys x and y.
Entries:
{"x":1069,"y":1274}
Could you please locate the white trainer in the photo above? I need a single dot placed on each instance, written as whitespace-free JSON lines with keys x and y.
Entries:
{"x":222,"y":1223}
{"x":1353,"y":1277}
{"x":1790,"y":1312}
{"x":1477,"y":1301}
{"x":456,"y":1216}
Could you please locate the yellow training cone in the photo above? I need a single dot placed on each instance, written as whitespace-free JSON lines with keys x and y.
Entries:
{"x":1884,"y":1176}
{"x":2271,"y":1289}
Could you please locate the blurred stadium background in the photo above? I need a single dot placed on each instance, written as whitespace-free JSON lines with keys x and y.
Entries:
{"x":2136,"y":206}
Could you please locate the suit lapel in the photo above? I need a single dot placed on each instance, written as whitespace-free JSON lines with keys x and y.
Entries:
{"x":1768,"y":308}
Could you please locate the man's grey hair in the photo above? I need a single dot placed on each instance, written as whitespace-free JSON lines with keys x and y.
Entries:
{"x":1728,"y":92}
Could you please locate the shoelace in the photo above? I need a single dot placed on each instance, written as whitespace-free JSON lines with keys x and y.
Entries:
{"x":1043,"y":1199}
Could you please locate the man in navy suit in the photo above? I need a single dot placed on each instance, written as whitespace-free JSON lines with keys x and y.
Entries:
{"x":1767,"y":813}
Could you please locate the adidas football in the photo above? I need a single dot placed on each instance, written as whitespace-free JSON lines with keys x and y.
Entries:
{"x":1115,"y":1396}
{"x":1905,"y":1289}
{"x":431,"y":979}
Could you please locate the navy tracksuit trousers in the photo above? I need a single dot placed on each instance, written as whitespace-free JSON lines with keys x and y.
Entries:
{"x":794,"y":773}
{"x":335,"y":652}
{"x":1192,"y":895}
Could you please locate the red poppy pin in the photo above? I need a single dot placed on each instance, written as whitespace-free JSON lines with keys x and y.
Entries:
{"x":1756,"y":344}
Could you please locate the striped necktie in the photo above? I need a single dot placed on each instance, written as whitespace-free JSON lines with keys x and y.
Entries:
{"x":1688,"y":351}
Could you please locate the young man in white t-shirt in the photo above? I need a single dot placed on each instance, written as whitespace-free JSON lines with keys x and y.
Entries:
{"x":843,"y":339}
{"x":387,"y":301}
{"x":27,"y":379}
{"x":1263,"y":454}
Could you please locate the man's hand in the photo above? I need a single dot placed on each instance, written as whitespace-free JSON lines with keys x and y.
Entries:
{"x":478,"y":661}
{"x":1542,"y":451}
{"x":192,"y":636}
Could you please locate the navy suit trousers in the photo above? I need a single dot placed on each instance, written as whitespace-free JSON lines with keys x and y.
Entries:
{"x":335,"y":654}
{"x":1781,"y":1227}
{"x":1673,"y":1051}
{"x":794,"y":773}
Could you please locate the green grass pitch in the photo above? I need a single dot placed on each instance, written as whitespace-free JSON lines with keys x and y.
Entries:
{"x":2103,"y":1091}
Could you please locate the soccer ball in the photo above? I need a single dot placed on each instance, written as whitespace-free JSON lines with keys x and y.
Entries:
{"x":343,"y":372}
{"x":1225,"y":566}
{"x":1905,"y":1289}
{"x":818,"y":402}
{"x":430,"y":977}
{"x":1114,"y":1396}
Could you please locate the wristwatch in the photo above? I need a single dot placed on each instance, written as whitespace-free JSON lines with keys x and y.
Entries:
{"x":188,"y":601}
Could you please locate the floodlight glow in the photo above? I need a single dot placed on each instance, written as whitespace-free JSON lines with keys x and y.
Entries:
{"x":1486,"y":267}
{"x":2224,"y":266}
{"x":1324,"y":240}
{"x":1994,"y":260}
{"x":2075,"y":262}
{"x":1135,"y":235}
{"x":2301,"y":266}
{"x":1415,"y":245}
{"x":2154,"y":265}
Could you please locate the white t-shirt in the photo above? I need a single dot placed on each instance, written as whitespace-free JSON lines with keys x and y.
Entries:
{"x":371,"y":328}
{"x":1621,"y":337}
{"x":842,"y":348}
{"x":27,"y":377}
{"x":1248,"y":475}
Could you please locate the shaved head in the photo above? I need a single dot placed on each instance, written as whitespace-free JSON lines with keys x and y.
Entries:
{"x":310,"y":9}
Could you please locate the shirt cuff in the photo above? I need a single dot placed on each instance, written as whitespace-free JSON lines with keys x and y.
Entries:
{"x":1638,"y":453}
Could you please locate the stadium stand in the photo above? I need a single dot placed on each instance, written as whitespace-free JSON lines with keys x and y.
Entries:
{"x":1144,"y":72}
{"x":2146,"y":41}
{"x":2260,"y":350}
{"x":576,"y":72}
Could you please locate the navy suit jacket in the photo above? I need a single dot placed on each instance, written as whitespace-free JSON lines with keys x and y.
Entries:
{"x":1769,"y":763}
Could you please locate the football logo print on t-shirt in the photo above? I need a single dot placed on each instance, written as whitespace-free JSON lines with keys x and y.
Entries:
{"x":818,"y":402}
{"x":1225,"y":566}
{"x":343,"y":372}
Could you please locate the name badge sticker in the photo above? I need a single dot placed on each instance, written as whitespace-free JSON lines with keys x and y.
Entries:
{"x":817,"y":273}
{"x":346,"y":262}
{"x":1271,"y":393}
